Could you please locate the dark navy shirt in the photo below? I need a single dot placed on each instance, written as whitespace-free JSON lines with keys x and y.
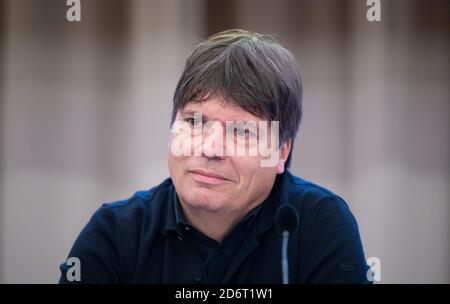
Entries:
{"x":146,"y":239}
{"x":215,"y":256}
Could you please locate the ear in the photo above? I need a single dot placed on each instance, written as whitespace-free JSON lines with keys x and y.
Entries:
{"x":285,"y":149}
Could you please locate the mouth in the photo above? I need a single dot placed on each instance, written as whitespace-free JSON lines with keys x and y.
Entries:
{"x":208,"y":177}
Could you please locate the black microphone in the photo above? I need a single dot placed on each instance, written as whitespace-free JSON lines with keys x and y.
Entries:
{"x":286,"y":222}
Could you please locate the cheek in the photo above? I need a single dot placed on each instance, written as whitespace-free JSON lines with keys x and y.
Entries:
{"x":251,"y":172}
{"x":175,"y":165}
{"x":260,"y":183}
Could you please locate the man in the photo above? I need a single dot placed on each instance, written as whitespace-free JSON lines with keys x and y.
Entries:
{"x":213,"y":220}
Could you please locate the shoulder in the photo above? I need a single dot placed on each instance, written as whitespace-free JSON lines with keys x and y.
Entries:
{"x":143,"y":205}
{"x":330,"y":245}
{"x":315,"y":202}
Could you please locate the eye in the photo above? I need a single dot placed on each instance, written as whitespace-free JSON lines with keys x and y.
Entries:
{"x":242,"y":132}
{"x":193,"y":121}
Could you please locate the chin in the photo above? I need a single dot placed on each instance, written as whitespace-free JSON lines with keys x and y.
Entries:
{"x":203,"y":198}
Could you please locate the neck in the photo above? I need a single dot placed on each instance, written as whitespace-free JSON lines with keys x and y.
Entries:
{"x":215,"y":225}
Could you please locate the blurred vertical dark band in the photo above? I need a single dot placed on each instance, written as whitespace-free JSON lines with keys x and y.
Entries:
{"x":110,"y":25}
{"x":3,"y":40}
{"x":220,"y":16}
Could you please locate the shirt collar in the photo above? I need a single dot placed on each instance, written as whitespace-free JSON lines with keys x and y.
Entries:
{"x":180,"y":219}
{"x":264,"y":213}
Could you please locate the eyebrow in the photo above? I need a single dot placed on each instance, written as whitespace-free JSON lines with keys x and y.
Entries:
{"x":190,"y":112}
{"x":204,"y":116}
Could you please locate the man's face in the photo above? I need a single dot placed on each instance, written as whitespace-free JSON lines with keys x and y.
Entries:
{"x":225,"y":184}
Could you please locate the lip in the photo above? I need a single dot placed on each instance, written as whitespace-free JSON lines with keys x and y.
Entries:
{"x":208,"y":177}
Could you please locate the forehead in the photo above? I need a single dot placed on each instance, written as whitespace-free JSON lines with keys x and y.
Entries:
{"x":217,"y":109}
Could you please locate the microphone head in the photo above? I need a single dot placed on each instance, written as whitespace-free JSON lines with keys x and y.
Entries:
{"x":286,"y":219}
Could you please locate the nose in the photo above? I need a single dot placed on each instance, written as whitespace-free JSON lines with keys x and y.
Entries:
{"x":213,"y":144}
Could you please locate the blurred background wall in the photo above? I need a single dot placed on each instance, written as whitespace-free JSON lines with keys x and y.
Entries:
{"x":85,"y":106}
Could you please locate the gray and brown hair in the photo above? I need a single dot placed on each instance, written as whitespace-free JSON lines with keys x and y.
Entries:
{"x":250,"y":70}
